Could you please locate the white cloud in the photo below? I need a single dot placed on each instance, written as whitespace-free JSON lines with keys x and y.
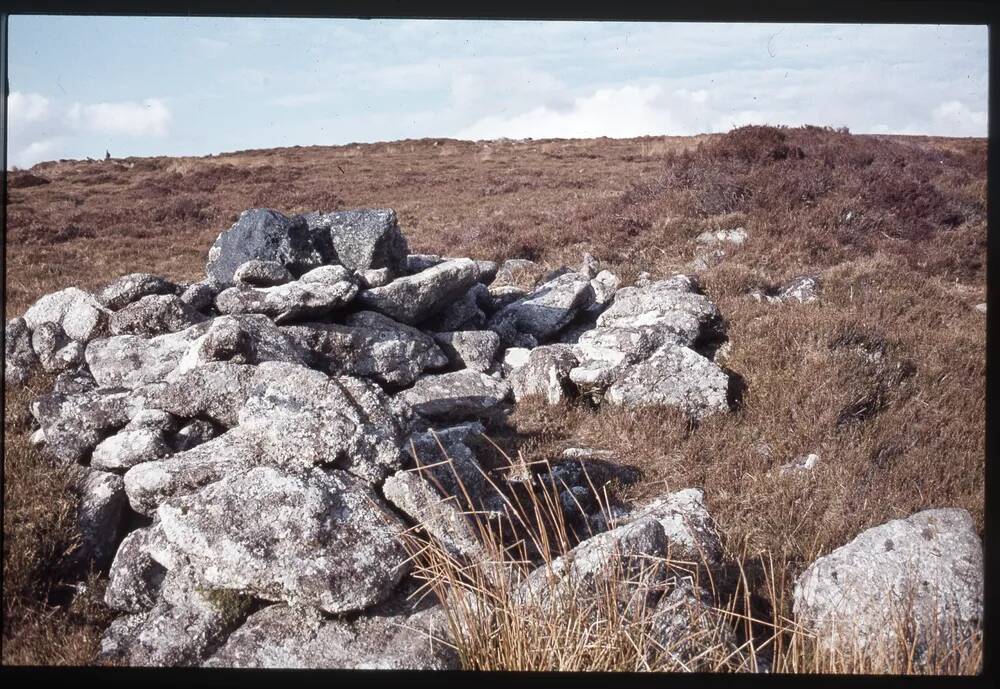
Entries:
{"x":614,"y":112}
{"x":954,"y":118}
{"x":148,"y":118}
{"x":24,"y":108}
{"x":297,"y":100}
{"x":35,"y":152}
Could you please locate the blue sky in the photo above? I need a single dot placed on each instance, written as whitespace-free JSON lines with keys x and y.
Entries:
{"x":194,"y":86}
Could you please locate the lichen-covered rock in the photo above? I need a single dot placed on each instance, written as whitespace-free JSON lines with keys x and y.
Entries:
{"x":456,"y":396}
{"x":545,"y":311}
{"x":142,"y":440}
{"x":51,"y":347}
{"x":365,"y":238}
{"x":257,"y":273}
{"x":417,"y":263}
{"x":193,"y":434}
{"x":545,"y":373}
{"x":328,"y":275}
{"x":443,"y":517}
{"x":735,"y":236}
{"x":75,"y":422}
{"x":81,"y":316}
{"x":19,"y":356}
{"x":925,"y":572}
{"x":283,"y":637}
{"x":136,"y":577}
{"x":515,"y":271}
{"x":463,"y":314}
{"x":129,"y":361}
{"x":200,"y":296}
{"x":267,"y":235}
{"x":153,"y":315}
{"x":415,"y":298}
{"x":676,"y":377}
{"x":99,"y":516}
{"x":369,"y":345}
{"x":605,"y":285}
{"x":133,"y":287}
{"x":667,"y":304}
{"x":685,"y":625}
{"x":472,"y":349}
{"x":317,"y":538}
{"x":687,"y":525}
{"x":630,"y":554}
{"x":287,"y":302}
{"x":183,"y":626}
{"x":374,"y":277}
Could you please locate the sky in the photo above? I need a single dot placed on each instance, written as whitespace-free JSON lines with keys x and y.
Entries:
{"x":80,"y":86}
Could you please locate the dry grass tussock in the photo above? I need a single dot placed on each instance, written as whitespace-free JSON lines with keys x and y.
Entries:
{"x":610,"y":621}
{"x":883,"y":377}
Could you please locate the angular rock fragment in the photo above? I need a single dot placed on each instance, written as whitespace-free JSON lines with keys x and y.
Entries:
{"x":369,"y":345}
{"x":687,"y":525}
{"x":472,"y":349}
{"x":81,"y":316}
{"x":318,"y":538}
{"x":463,"y":314}
{"x":545,"y":311}
{"x":99,"y":516}
{"x":142,"y":440}
{"x":193,"y":434}
{"x":676,"y":377}
{"x":133,"y":287}
{"x":75,"y":423}
{"x":416,"y":263}
{"x":266,"y":235}
{"x":374,"y":277}
{"x":156,"y":314}
{"x":200,"y":296}
{"x":257,"y":273}
{"x":283,"y":637}
{"x":19,"y":356}
{"x":924,"y":573}
{"x":667,"y":304}
{"x":287,"y":302}
{"x":135,"y":577}
{"x":456,"y":396}
{"x":414,"y":298}
{"x":545,"y":373}
{"x":365,"y":238}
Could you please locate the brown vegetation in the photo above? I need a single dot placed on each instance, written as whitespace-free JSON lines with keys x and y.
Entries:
{"x":884,"y":377}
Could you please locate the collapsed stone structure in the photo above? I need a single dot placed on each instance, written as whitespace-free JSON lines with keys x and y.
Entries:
{"x":251,"y":445}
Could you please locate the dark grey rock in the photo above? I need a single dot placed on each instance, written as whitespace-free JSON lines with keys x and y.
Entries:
{"x":193,"y":434}
{"x":75,"y":423}
{"x":463,"y":314}
{"x":99,"y":516}
{"x":545,"y":311}
{"x":267,"y":235}
{"x":19,"y":356}
{"x":417,"y":263}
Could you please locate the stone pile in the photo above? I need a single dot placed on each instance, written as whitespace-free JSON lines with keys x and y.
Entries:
{"x":253,"y":445}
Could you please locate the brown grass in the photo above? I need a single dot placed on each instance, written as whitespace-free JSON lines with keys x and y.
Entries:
{"x":884,"y":377}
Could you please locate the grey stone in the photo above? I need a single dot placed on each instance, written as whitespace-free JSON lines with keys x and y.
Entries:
{"x":193,"y":434}
{"x":283,"y":637}
{"x":473,"y":349}
{"x":258,"y":273}
{"x":463,"y":314}
{"x":75,"y":423}
{"x":605,"y":284}
{"x":515,"y":271}
{"x":135,"y":578}
{"x":502,"y":296}
{"x":588,"y":266}
{"x":545,"y":373}
{"x":288,"y":302}
{"x":981,"y":308}
{"x":414,"y":298}
{"x":514,"y":358}
{"x":19,"y":356}
{"x":314,"y":538}
{"x":327,"y":275}
{"x":804,"y":289}
{"x":369,"y":345}
{"x":366,"y":238}
{"x":674,"y":376}
{"x":449,"y":456}
{"x":152,"y":315}
{"x":267,"y":235}
{"x":81,"y":316}
{"x":99,"y":516}
{"x":417,"y":263}
{"x":374,"y":277}
{"x":443,"y":517}
{"x":685,"y":627}
{"x":129,"y":447}
{"x":487,"y":271}
{"x":667,"y":305}
{"x":689,"y":529}
{"x":182,"y":627}
{"x":200,"y":296}
{"x":50,"y":343}
{"x":133,"y":287}
{"x":456,"y":396}
{"x":925,"y":570}
{"x":735,"y":236}
{"x":545,"y":311}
